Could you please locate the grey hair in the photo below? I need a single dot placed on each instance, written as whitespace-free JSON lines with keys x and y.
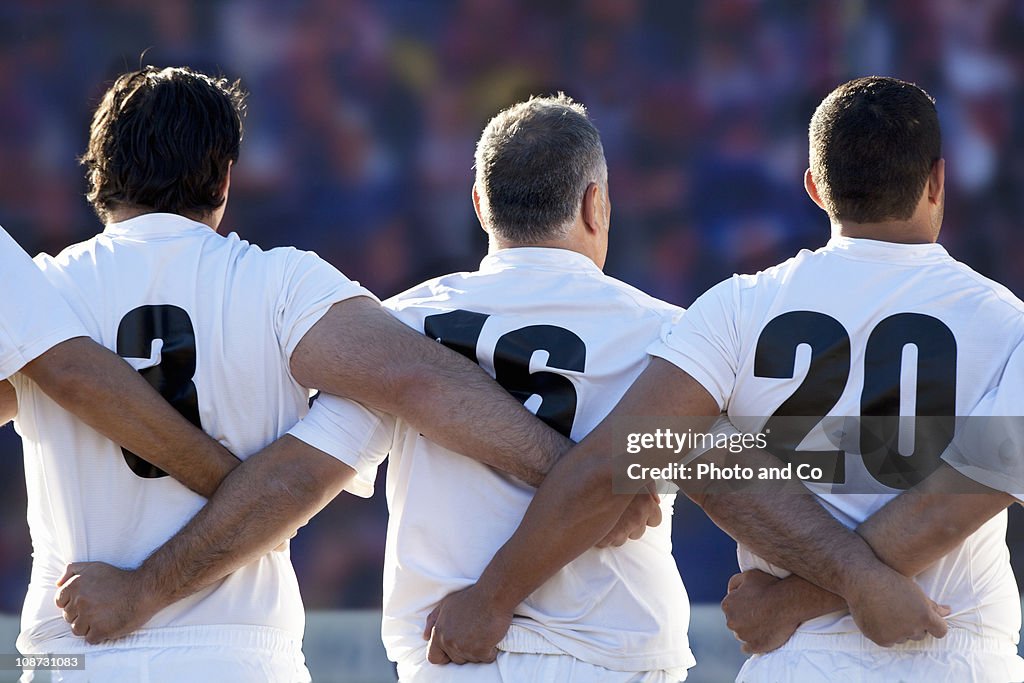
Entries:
{"x":534,"y":161}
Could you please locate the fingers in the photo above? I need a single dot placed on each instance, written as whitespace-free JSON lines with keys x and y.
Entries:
{"x":67,"y":575}
{"x":431,"y":620}
{"x":80,"y":629}
{"x":735,"y":581}
{"x":654,"y":519}
{"x":937,"y":626}
{"x":436,"y":655}
{"x":615,"y":538}
{"x":66,"y":593}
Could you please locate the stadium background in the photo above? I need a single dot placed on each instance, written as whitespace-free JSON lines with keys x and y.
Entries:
{"x":362,"y":121}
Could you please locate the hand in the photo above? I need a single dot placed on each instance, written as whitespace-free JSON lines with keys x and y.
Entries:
{"x":465,"y":627}
{"x":102,"y":602}
{"x":643,"y":511}
{"x":757,"y":613}
{"x":889,"y":608}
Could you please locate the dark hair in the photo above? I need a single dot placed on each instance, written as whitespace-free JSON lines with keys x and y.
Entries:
{"x":162,"y":139}
{"x":873,"y":144}
{"x":534,"y":161}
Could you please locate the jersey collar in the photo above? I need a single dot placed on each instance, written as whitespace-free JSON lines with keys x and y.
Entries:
{"x":550,"y":258}
{"x":878,"y":250}
{"x":154,"y":225}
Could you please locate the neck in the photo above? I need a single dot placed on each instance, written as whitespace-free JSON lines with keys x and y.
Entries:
{"x":900,"y":232}
{"x":494,"y":244}
{"x":126,"y":213}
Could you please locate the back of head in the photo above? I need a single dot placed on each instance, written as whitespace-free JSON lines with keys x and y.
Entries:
{"x":162,"y":140}
{"x":534,"y":161}
{"x":873,"y":142}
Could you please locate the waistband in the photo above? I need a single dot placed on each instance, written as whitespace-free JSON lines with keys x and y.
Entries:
{"x":523,"y":640}
{"x":957,"y":639}
{"x":263,"y":638}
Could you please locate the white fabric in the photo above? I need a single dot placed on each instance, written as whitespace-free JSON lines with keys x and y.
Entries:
{"x":515,"y":667}
{"x":248,"y":309}
{"x":33,"y":317}
{"x":621,"y":608}
{"x":192,"y":653}
{"x":861,"y":283}
{"x":959,"y":657}
{"x":989,"y":444}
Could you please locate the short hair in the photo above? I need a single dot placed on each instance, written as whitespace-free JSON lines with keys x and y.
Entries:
{"x":162,"y":139}
{"x":873,"y":143}
{"x":534,"y":161}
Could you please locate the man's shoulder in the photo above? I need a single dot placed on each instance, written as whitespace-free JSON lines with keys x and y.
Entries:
{"x":640,"y":298}
{"x":993,"y":292}
{"x":432,"y":290}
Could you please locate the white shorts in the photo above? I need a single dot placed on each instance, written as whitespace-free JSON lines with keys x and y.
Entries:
{"x":515,"y":667}
{"x":960,"y":657}
{"x":242,"y":654}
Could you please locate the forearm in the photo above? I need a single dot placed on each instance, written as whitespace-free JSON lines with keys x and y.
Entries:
{"x":910,"y":533}
{"x":573,"y":509}
{"x":458,"y":406}
{"x":105,"y":393}
{"x":918,"y":527}
{"x":359,"y":351}
{"x":8,"y":402}
{"x":576,"y":506}
{"x":259,"y":505}
{"x":782,"y":522}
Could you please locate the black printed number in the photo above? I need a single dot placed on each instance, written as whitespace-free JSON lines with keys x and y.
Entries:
{"x":460,"y":331}
{"x":775,"y":356}
{"x":829,"y":371}
{"x":172,"y":378}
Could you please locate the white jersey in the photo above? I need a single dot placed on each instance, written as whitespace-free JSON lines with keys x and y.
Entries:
{"x":568,"y":341}
{"x":33,"y":317}
{"x":212,"y":322}
{"x":989,"y":441}
{"x":863,"y":327}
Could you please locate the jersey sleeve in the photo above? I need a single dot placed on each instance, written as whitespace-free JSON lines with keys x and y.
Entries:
{"x":33,"y":316}
{"x":357,"y":436}
{"x":704,"y":342}
{"x":309,"y":288}
{"x":988,"y":445}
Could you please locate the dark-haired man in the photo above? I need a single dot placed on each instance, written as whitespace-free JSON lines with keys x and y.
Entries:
{"x":234,"y":337}
{"x":41,"y":338}
{"x":877,"y":321}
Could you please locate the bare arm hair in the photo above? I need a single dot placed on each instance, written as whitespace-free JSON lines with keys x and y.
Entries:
{"x":108,"y":395}
{"x":361,"y":352}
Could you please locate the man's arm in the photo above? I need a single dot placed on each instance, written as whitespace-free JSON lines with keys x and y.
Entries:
{"x":910,"y":533}
{"x":8,"y":402}
{"x":359,"y":351}
{"x":257,"y":507}
{"x":575,"y":506}
{"x":108,"y":395}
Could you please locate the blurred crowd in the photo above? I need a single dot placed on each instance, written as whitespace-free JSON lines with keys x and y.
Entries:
{"x":363,"y":117}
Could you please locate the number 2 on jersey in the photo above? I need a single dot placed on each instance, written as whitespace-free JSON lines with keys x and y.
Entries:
{"x":826,"y":379}
{"x":173,"y":376}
